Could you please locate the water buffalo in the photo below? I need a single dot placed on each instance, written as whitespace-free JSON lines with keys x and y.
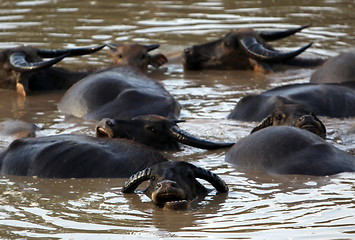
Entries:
{"x":289,"y":150}
{"x":173,"y":184}
{"x":154,"y":131}
{"x":17,"y":128}
{"x":332,"y":100}
{"x":119,"y":92}
{"x":24,"y":70}
{"x":76,"y":156}
{"x":136,"y":55}
{"x":336,"y":70}
{"x":245,"y":49}
{"x":295,"y":115}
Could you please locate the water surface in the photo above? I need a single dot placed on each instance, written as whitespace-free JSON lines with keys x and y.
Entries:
{"x":259,"y":205}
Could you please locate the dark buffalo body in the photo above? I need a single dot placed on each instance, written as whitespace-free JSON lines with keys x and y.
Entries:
{"x":336,"y":70}
{"x":332,"y":100}
{"x":119,"y":92}
{"x":76,"y":156}
{"x":289,"y":150}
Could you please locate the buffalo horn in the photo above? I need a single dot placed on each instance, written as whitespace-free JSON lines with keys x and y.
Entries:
{"x":19,"y":62}
{"x":152,"y":47}
{"x":257,"y":51}
{"x":276,"y":35}
{"x":133,"y":181}
{"x":45,"y":53}
{"x":212,"y":178}
{"x":186,"y":138}
{"x":112,"y":46}
{"x":266,"y":122}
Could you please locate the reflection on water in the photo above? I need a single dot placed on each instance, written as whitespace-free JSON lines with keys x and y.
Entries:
{"x":258,"y":206}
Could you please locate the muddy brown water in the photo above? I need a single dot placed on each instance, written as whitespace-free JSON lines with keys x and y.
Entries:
{"x":259,"y":205}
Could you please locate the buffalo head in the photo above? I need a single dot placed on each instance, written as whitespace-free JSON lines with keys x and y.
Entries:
{"x":19,"y":66}
{"x":173,"y":184}
{"x":243,"y":49}
{"x":136,"y":55}
{"x":153,"y":130}
{"x":293,"y":115}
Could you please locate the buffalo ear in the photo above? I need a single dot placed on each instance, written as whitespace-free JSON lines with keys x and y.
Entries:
{"x":266,"y":122}
{"x":157,"y":60}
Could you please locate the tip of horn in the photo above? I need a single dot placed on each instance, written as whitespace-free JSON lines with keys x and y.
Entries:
{"x":112,"y":46}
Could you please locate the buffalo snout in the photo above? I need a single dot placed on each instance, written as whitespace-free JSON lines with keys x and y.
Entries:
{"x":167,"y":191}
{"x":312,"y":124}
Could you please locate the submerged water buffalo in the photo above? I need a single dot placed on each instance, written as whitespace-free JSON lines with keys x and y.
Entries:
{"x":332,"y":100}
{"x":119,"y":92}
{"x":24,"y":70}
{"x":245,"y":49}
{"x":136,"y":55}
{"x":289,"y":150}
{"x":76,"y":156}
{"x":17,"y":128}
{"x":173,"y":184}
{"x":154,"y":131}
{"x":295,"y":115}
{"x":336,"y":70}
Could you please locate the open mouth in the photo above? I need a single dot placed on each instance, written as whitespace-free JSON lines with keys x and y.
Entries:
{"x":171,"y":201}
{"x":311,"y":128}
{"x":101,"y":132}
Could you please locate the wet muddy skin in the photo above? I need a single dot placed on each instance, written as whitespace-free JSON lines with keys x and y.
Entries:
{"x":258,"y":205}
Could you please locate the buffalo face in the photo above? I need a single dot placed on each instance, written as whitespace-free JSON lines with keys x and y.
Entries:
{"x":173,"y":185}
{"x":154,"y":131}
{"x":243,"y":49}
{"x":136,"y":55}
{"x":19,"y":66}
{"x":293,"y":115}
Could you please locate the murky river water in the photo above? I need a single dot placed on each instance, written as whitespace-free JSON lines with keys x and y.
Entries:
{"x":258,"y":206}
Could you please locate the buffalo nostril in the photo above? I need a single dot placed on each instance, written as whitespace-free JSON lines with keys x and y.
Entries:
{"x":109,"y":123}
{"x":187,"y":50}
{"x":301,"y":119}
{"x":159,"y":185}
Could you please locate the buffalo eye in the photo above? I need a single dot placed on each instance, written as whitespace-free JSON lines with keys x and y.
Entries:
{"x":152,"y":177}
{"x":279,"y":117}
{"x":227,"y":44}
{"x":120,"y":56}
{"x":144,"y":56}
{"x":152,"y":129}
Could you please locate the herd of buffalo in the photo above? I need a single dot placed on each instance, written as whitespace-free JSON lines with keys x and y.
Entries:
{"x":137,"y":117}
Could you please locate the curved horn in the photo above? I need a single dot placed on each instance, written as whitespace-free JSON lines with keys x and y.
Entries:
{"x":257,"y":51}
{"x":18,"y":61}
{"x":112,"y":46}
{"x":266,"y":122}
{"x":133,"y":181}
{"x":152,"y":47}
{"x":276,"y":35}
{"x":214,"y":179}
{"x":44,"y":53}
{"x":186,"y":138}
